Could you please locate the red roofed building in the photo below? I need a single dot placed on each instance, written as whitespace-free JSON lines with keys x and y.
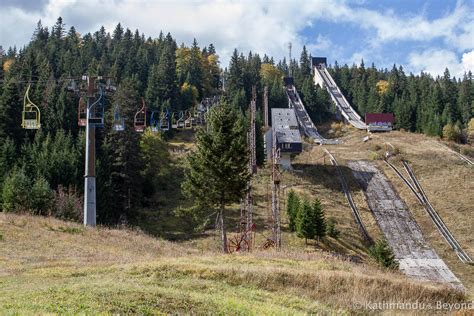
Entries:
{"x":379,"y":121}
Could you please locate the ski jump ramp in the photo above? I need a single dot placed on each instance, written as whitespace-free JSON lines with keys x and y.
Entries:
{"x":322,"y":77}
{"x":306,"y":124}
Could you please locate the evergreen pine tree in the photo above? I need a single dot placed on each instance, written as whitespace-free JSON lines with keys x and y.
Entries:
{"x":318,"y":219}
{"x":218,"y":169}
{"x":10,"y":113}
{"x":292,"y":209}
{"x":305,"y":226}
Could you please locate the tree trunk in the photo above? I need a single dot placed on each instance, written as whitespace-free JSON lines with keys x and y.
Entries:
{"x":223,"y":232}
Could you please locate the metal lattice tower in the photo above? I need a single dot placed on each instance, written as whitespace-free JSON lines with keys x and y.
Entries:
{"x":276,"y":229}
{"x":265,"y":107}
{"x":247,"y":204}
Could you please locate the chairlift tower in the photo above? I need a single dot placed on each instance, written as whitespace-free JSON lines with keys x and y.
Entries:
{"x":94,"y":118}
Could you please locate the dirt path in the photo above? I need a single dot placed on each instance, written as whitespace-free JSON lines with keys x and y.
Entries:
{"x":416,"y":257}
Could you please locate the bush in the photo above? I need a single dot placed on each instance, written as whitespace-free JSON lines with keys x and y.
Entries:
{"x":338,"y":128}
{"x":468,"y":151}
{"x":41,"y":197}
{"x":332,"y":231}
{"x":67,"y":204}
{"x":452,"y":132}
{"x":15,"y":192}
{"x":383,"y":254}
{"x":470,"y":131}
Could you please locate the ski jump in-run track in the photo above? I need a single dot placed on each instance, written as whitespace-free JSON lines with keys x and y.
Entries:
{"x":323,"y":78}
{"x":306,"y":124}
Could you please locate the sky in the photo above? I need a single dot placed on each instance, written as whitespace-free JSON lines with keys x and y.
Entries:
{"x":419,"y":35}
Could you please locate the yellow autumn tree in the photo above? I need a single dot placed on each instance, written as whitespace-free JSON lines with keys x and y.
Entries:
{"x":382,"y":87}
{"x":7,"y":64}
{"x":270,"y":73}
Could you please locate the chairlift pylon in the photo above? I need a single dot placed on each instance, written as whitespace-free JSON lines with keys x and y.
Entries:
{"x":31,"y":115}
{"x":139,"y":121}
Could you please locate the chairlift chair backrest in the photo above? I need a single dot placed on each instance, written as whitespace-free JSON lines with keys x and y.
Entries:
{"x":97,"y":111}
{"x":154,"y":122}
{"x":174,"y":119}
{"x":139,"y":121}
{"x":180,"y":123}
{"x":31,"y":115}
{"x":187,"y":119}
{"x":164,"y":121}
{"x":119,"y":121}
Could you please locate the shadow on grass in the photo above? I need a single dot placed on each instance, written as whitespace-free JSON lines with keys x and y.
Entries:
{"x":328,"y":176}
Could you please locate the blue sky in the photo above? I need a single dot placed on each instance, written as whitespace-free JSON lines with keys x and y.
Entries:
{"x":419,"y":35}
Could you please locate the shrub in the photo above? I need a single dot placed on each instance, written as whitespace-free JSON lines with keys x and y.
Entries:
{"x":383,"y":254}
{"x":452,"y":132}
{"x":470,"y":131}
{"x":338,"y":128}
{"x":15,"y":192}
{"x":41,"y":197}
{"x":332,"y":231}
{"x":374,"y":155}
{"x":468,"y":151}
{"x":67,"y":204}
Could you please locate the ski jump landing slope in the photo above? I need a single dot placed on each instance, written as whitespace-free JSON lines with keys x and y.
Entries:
{"x":414,"y":254}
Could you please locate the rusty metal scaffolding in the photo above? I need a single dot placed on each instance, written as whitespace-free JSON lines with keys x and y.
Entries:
{"x":246,"y":212}
{"x":265,"y":108}
{"x":276,"y":175}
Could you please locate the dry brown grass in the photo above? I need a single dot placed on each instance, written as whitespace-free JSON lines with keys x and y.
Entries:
{"x":447,"y":181}
{"x":31,"y":242}
{"x":50,"y":266}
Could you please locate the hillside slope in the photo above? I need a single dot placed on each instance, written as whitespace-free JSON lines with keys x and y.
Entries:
{"x":446,"y":179}
{"x":51,"y":266}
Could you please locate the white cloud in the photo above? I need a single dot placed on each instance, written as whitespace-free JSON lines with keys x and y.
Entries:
{"x":261,"y":26}
{"x":435,"y":62}
{"x":322,"y":43}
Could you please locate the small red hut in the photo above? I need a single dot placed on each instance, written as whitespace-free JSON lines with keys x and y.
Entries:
{"x":381,"y":122}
